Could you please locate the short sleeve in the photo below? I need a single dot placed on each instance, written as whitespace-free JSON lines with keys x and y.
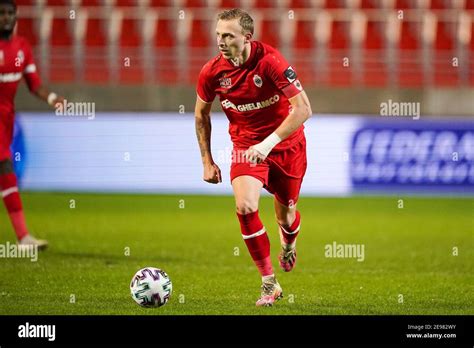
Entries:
{"x":204,"y":88}
{"x":30,"y":72}
{"x":283,"y":75}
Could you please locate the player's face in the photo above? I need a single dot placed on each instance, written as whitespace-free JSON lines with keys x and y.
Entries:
{"x":230,"y":39}
{"x":7,"y":18}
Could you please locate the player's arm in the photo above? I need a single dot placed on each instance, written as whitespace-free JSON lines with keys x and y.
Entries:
{"x":301,"y":111}
{"x":202,"y":112}
{"x":33,"y":80}
{"x":43,"y":93}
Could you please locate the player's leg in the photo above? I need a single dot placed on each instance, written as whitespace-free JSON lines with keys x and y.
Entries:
{"x":247,"y":194}
{"x":289,"y":222}
{"x":287,"y":171}
{"x":12,"y":201}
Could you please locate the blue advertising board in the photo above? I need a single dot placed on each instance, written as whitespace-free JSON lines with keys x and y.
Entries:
{"x":418,"y":156}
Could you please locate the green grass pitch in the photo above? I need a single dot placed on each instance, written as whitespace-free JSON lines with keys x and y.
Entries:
{"x":409,"y":266}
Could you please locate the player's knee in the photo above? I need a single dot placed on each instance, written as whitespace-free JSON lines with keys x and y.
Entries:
{"x":246,"y":206}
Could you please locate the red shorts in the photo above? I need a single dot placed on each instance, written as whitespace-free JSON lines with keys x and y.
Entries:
{"x":6,"y":137}
{"x":281,"y":173}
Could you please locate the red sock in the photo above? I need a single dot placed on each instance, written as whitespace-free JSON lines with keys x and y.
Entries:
{"x":256,"y":238}
{"x":289,"y":234}
{"x":11,"y":198}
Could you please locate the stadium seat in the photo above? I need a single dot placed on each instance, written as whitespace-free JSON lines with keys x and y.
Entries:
{"x":28,"y":28}
{"x":339,"y":74}
{"x":444,"y":36}
{"x":200,"y":45}
{"x":130,"y":47}
{"x":269,"y":32}
{"x":130,"y":33}
{"x":165,"y":33}
{"x":126,"y":3}
{"x":96,"y":32}
{"x":410,"y":36}
{"x":404,"y":4}
{"x":62,"y":52}
{"x":195,"y":4}
{"x":96,"y":61}
{"x":165,"y":42}
{"x":471,"y":42}
{"x":339,"y":35}
{"x":165,"y":47}
{"x":444,"y":50}
{"x":201,"y":34}
{"x":338,"y":52}
{"x":374,"y":39}
{"x":91,"y":3}
{"x":199,"y":40}
{"x":439,"y":5}
{"x":61,"y":32}
{"x":369,"y":4}
{"x":305,"y":37}
{"x":373,"y":55}
{"x":160,"y":3}
{"x":334,"y":4}
{"x":227,"y":4}
{"x":131,"y":67}
{"x":409,"y":53}
{"x":57,"y":3}
{"x":300,"y":4}
{"x":261,"y":4}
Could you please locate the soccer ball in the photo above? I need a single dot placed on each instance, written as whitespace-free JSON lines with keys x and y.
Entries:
{"x":151,"y":287}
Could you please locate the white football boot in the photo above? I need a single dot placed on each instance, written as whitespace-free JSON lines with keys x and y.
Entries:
{"x":271,"y":292}
{"x":29,"y":241}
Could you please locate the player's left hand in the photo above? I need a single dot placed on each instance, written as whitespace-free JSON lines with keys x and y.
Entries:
{"x":254,"y":156}
{"x":59,"y":100}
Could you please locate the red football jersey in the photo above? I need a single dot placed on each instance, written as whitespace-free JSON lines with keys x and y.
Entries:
{"x":254,"y":95}
{"x":16,"y":61}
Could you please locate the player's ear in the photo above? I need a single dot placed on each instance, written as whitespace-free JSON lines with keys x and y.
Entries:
{"x":248,"y":37}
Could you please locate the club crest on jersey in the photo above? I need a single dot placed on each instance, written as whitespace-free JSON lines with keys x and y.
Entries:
{"x":20,"y":57}
{"x":297,"y":84}
{"x":290,"y":74}
{"x":257,"y":80}
{"x":225,"y":82}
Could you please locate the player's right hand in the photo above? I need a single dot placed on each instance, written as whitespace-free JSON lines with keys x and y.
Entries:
{"x":212,"y":174}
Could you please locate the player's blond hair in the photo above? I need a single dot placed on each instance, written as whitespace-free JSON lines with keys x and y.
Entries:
{"x":245,"y":21}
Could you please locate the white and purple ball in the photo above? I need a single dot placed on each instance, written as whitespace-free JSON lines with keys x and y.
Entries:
{"x":151,"y":287}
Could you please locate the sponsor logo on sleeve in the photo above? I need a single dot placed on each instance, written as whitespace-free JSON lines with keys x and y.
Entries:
{"x":290,"y":74}
{"x":298,"y":85}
